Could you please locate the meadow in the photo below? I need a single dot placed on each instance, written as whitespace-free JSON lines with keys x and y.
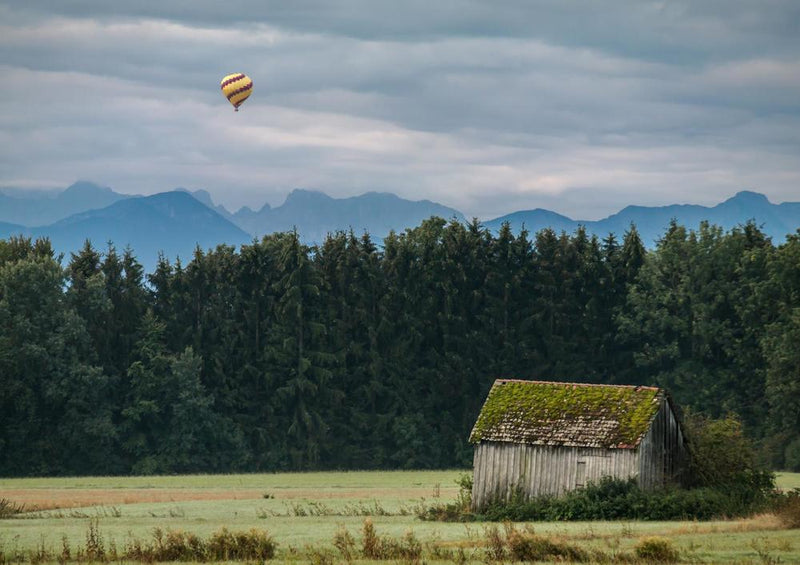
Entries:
{"x":304,"y":511}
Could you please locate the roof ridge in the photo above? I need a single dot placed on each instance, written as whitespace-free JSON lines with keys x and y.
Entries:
{"x":637,"y":387}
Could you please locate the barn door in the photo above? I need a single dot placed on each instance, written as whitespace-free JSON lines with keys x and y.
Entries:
{"x":580,"y":474}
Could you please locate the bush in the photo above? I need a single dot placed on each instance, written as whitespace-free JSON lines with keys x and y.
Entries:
{"x":617,"y":499}
{"x":495,"y":546}
{"x":175,"y":545}
{"x":610,"y":499}
{"x":656,"y":550}
{"x":724,"y":458}
{"x":465,"y":483}
{"x":787,"y":508}
{"x":527,"y":546}
{"x":407,"y":548}
{"x":255,"y":544}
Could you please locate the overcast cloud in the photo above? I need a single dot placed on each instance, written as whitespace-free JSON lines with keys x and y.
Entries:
{"x":486,"y":106}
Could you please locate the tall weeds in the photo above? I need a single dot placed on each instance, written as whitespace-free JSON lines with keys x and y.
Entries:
{"x":408,"y":548}
{"x":9,"y":508}
{"x":656,"y":550}
{"x":345,"y":544}
{"x":526,"y":545}
{"x":164,"y":546}
{"x":95,"y":548}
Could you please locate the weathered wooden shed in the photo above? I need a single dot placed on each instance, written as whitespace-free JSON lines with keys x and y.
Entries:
{"x":550,"y":437}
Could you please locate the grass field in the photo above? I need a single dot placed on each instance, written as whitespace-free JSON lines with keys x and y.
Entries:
{"x":788,"y":481}
{"x":305,"y":510}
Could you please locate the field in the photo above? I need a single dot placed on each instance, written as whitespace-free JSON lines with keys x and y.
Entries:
{"x":303,"y":512}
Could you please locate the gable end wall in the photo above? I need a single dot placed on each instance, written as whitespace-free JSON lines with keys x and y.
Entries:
{"x":662,"y":454}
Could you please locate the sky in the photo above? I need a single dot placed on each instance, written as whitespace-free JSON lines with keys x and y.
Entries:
{"x":581,"y":107}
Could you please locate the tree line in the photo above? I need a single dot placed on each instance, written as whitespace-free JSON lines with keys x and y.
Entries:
{"x":353,"y":355}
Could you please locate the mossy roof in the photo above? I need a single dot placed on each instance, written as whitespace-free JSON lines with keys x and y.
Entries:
{"x":567,"y":414}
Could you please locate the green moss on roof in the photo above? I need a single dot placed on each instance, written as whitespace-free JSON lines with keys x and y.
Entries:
{"x":569,"y":414}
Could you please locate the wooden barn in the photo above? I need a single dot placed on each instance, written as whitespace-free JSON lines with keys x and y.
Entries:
{"x":548,"y":437}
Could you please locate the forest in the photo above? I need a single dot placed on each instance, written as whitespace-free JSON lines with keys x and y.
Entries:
{"x":356,"y":354}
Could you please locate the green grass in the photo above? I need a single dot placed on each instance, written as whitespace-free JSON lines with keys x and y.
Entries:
{"x":787,"y":481}
{"x":334,"y":494}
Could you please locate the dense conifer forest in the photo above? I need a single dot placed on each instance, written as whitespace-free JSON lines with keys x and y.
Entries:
{"x":359,"y":355}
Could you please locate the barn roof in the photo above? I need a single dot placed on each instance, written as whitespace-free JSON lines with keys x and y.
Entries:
{"x":566,"y":414}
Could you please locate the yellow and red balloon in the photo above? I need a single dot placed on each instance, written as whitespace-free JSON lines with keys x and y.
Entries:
{"x":236,"y":88}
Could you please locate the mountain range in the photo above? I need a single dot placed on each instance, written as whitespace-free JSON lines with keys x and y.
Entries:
{"x":172,"y":223}
{"x":175,"y":223}
{"x":316,"y":214}
{"x":776,"y":220}
{"x":39,"y":208}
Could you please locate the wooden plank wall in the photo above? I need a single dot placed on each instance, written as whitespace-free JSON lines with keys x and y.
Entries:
{"x":500,"y":468}
{"x":662,"y":452}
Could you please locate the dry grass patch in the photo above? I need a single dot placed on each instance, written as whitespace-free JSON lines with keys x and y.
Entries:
{"x":361,"y":493}
{"x":759,"y":523}
{"x":62,"y":498}
{"x":54,"y":499}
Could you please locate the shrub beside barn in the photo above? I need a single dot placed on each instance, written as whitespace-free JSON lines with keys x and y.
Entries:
{"x":545,"y":438}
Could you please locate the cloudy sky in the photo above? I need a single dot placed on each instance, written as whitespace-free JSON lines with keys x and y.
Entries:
{"x":487,"y":106}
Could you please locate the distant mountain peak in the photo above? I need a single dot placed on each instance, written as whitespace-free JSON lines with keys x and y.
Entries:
{"x":172,"y":222}
{"x":540,"y":211}
{"x":85,"y":188}
{"x":315,"y":214}
{"x":200,"y":195}
{"x":303,"y":196}
{"x":749,"y":196}
{"x":383,"y":196}
{"x":40,"y":208}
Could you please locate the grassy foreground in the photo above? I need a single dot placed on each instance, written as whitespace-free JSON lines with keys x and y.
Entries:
{"x":304,"y":511}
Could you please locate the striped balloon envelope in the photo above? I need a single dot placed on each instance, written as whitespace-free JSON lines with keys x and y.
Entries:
{"x":236,"y":88}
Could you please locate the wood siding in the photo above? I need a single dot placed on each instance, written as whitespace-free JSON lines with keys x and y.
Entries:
{"x":662,"y":452}
{"x":500,"y":468}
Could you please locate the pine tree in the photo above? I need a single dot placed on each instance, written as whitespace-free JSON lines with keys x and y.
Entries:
{"x":301,"y":366}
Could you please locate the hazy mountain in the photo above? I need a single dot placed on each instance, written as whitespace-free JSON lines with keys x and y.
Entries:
{"x":205,"y":198}
{"x":171,"y":222}
{"x":12,"y":229}
{"x":316,"y":214}
{"x":30,"y":193}
{"x":38,"y":208}
{"x":175,"y":222}
{"x":533,"y":221}
{"x":776,"y":220}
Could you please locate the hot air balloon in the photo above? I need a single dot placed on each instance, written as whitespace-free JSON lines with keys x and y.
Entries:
{"x":236,"y":88}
